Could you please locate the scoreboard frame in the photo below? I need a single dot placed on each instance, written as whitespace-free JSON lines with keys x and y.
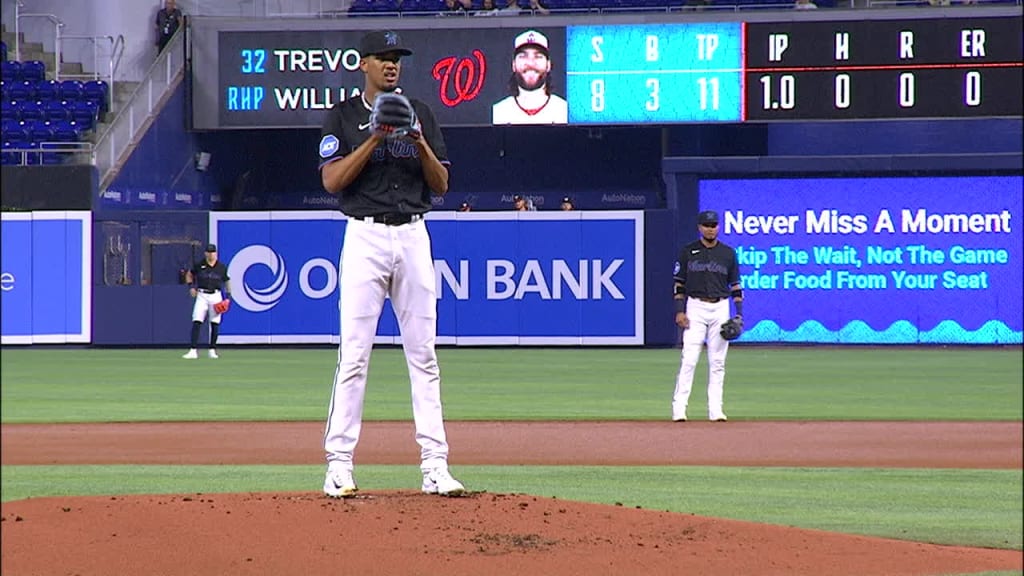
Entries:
{"x":835,"y":65}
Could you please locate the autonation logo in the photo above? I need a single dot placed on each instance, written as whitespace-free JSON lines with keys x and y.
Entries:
{"x":263,"y":298}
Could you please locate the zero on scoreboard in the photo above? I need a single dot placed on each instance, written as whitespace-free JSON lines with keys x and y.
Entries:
{"x":846,"y":70}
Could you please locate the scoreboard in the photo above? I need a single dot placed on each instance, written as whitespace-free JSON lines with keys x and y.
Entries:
{"x":642,"y":73}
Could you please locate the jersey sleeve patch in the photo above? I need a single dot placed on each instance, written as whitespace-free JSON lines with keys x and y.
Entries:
{"x":328,"y":145}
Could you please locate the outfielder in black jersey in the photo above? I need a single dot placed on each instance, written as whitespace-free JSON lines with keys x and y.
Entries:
{"x":209,"y":284}
{"x":706,"y":277}
{"x":384,"y":182}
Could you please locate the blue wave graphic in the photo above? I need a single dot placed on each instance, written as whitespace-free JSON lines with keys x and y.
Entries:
{"x":900,"y":332}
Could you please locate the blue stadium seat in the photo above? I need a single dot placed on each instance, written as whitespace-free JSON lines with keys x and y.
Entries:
{"x":33,"y":70}
{"x":10,"y":71}
{"x":98,"y":91}
{"x":21,"y":90}
{"x":11,"y":109}
{"x":32,"y":110}
{"x":71,"y":90}
{"x":14,"y":130}
{"x":39,"y":130}
{"x":3,"y":90}
{"x":361,"y":6}
{"x":55,"y":110}
{"x":51,"y":155}
{"x":66,"y":131}
{"x":16,"y":157}
{"x":47,"y":90}
{"x":85,"y":113}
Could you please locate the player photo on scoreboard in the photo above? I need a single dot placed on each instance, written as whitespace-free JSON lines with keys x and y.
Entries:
{"x":532,"y":95}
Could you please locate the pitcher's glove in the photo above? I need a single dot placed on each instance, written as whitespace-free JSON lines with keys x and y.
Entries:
{"x":222,"y":306}
{"x":732,"y":328}
{"x":393,"y":117}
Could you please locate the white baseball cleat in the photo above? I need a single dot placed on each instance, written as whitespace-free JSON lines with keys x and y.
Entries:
{"x":191,"y":354}
{"x":340,"y":483}
{"x":718,"y":418}
{"x":213,"y":353}
{"x":440,"y":481}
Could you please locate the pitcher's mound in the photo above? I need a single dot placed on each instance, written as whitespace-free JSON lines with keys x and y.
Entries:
{"x":408,"y":533}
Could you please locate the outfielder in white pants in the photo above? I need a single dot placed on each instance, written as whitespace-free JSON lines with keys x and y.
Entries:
{"x":379,"y":260}
{"x":706,"y":321}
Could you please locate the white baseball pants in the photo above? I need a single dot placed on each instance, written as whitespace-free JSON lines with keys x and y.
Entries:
{"x":204,"y":305}
{"x":378,"y":260}
{"x":706,"y":321}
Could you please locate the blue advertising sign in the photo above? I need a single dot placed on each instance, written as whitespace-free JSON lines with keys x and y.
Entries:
{"x":905,"y":260}
{"x":559,"y":278}
{"x":45,"y":281}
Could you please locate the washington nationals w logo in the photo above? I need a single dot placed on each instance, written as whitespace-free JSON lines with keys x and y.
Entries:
{"x":460,"y":79}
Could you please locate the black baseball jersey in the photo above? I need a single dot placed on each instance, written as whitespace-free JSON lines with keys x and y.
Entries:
{"x":707,"y":272}
{"x":209,"y":277}
{"x":392,"y":181}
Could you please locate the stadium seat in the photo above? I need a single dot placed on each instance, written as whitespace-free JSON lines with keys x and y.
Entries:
{"x":14,"y":130}
{"x":55,"y":110}
{"x":32,"y":110}
{"x":33,"y":70}
{"x":71,"y":90}
{"x":11,"y":109}
{"x":85,"y":113}
{"x":10,"y":71}
{"x":16,"y":157}
{"x":361,"y":6}
{"x":66,"y":131}
{"x":47,"y":90}
{"x":39,"y":130}
{"x":98,"y":91}
{"x":21,"y":90}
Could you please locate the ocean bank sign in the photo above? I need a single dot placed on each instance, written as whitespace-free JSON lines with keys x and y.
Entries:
{"x":45,"y":277}
{"x":510,"y":278}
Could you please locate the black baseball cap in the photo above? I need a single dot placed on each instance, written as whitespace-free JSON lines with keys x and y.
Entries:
{"x":566,"y":200}
{"x":211,"y":247}
{"x":707,"y":217}
{"x":382,"y":42}
{"x":517,"y":197}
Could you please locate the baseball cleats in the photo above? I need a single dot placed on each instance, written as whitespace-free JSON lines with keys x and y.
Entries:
{"x":213,"y":354}
{"x":681,"y":419}
{"x":340,"y":483}
{"x":718,"y":418}
{"x":440,"y":481}
{"x":191,"y":354}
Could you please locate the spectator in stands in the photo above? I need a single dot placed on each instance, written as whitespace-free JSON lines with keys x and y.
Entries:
{"x":537,"y":8}
{"x":456,"y":8}
{"x":530,"y":99}
{"x":519,"y":203}
{"x":567,"y":205}
{"x":487,"y":9}
{"x":805,"y":5}
{"x":168,"y":19}
{"x":511,"y":8}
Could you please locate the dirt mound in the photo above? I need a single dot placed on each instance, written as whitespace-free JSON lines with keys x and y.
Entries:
{"x":389,"y":533}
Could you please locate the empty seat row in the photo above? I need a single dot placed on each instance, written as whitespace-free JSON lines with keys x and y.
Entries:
{"x":12,"y":70}
{"x":42,"y":130}
{"x":68,"y":90}
{"x":85,"y":112}
{"x":23,"y":152}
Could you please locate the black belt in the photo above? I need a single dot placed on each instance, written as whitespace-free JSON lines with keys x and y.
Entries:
{"x":393,"y":219}
{"x":207,"y":291}
{"x":708,"y":300}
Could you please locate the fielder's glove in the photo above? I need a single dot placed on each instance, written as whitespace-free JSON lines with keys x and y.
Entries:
{"x":732,"y":328}
{"x":393,"y":117}
{"x":222,"y":306}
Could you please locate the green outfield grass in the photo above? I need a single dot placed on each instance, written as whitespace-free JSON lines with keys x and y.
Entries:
{"x":87,"y":385}
{"x":968,"y":507}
